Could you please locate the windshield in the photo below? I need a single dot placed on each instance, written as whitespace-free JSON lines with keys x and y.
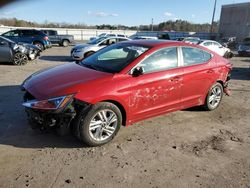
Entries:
{"x":97,"y":40}
{"x":114,"y":58}
{"x":102,"y":35}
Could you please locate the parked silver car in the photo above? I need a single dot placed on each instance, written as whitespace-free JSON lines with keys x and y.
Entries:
{"x":81,"y":51}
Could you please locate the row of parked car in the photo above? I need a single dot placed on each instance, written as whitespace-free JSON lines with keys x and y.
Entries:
{"x":20,"y":45}
{"x":81,"y":51}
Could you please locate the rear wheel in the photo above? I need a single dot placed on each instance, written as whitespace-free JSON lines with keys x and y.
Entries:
{"x":65,"y":43}
{"x":100,"y":124}
{"x":39,"y":45}
{"x":214,"y":97}
{"x":20,"y":59}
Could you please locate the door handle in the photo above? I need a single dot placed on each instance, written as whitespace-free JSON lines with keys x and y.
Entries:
{"x":210,"y":71}
{"x":175,"y":79}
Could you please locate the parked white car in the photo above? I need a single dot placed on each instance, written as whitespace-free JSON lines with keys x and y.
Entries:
{"x":192,"y":40}
{"x":107,"y":35}
{"x":216,"y":47}
{"x":82,"y":51}
{"x":145,"y":38}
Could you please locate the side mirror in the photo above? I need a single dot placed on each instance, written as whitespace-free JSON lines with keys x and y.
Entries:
{"x":137,"y":71}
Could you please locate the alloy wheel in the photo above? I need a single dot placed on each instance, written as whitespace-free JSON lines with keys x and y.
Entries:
{"x":215,"y":97}
{"x":20,"y":59}
{"x":103,"y":125}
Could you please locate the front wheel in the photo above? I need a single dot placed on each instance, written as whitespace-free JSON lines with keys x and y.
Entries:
{"x":214,"y":97}
{"x":20,"y":58}
{"x":100,"y":124}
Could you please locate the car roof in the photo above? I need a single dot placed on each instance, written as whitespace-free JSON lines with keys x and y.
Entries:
{"x":155,"y":43}
{"x":209,"y":41}
{"x":165,"y":43}
{"x":115,"y":37}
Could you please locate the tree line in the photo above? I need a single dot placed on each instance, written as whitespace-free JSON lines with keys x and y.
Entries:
{"x":177,"y":25}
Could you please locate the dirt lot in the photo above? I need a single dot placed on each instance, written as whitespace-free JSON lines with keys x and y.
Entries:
{"x":190,"y":148}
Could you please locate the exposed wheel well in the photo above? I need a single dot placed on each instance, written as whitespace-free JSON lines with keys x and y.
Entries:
{"x":65,"y":40}
{"x":87,"y":53}
{"x":220,"y":82}
{"x":121,"y":108}
{"x":37,"y":41}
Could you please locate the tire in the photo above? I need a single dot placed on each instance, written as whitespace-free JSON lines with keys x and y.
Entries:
{"x":214,"y":97}
{"x":228,"y":55}
{"x":39,"y":45}
{"x":101,"y":131}
{"x":65,"y":43}
{"x":20,"y":59}
{"x":87,"y":54}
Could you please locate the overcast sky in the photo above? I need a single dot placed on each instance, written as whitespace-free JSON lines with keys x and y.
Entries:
{"x":125,"y":12}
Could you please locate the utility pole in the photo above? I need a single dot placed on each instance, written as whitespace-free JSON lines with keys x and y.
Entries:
{"x":152,"y":24}
{"x":212,"y":23}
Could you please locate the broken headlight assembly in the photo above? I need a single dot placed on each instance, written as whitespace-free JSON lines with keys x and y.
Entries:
{"x":49,"y":104}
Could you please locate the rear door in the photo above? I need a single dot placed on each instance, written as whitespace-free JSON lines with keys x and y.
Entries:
{"x":27,"y":36}
{"x":198,"y":75}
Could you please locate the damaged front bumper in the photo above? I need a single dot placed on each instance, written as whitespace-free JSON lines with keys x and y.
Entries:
{"x":33,"y":54}
{"x":48,"y":119}
{"x":59,"y":119}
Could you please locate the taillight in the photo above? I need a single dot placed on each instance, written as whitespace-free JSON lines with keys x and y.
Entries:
{"x":46,"y":38}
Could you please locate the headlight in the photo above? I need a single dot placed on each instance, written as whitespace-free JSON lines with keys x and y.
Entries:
{"x":49,"y":104}
{"x":15,"y":47}
{"x":22,"y":48}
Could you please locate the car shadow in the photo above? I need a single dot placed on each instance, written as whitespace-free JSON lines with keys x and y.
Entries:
{"x":246,"y":60}
{"x":56,"y":58}
{"x":195,"y":109}
{"x":7,"y":63}
{"x":14,"y":128}
{"x":239,"y":73}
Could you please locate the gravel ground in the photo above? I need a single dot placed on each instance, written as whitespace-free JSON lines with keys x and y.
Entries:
{"x":189,"y":148}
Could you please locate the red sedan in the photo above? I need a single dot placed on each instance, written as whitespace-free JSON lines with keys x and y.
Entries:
{"x":122,"y":84}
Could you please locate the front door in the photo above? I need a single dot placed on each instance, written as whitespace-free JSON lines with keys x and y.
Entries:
{"x":5,"y":53}
{"x":158,"y":89}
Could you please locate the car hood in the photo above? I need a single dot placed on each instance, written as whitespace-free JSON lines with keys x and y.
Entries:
{"x":62,"y":80}
{"x":29,"y":46}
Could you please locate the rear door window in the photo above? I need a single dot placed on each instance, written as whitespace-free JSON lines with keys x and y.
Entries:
{"x":193,"y":56}
{"x":27,"y":33}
